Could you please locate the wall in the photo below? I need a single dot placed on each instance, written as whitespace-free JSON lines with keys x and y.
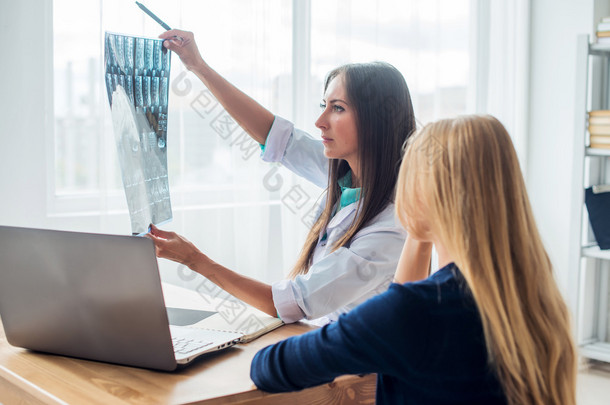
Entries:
{"x":24,"y":90}
{"x":555,"y":25}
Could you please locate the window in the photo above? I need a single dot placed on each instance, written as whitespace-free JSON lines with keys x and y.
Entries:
{"x":77,"y":104}
{"x":247,"y":42}
{"x":250,"y":43}
{"x":428,"y":41}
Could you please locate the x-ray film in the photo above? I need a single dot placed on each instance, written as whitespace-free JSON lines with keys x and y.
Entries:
{"x":137,"y":80}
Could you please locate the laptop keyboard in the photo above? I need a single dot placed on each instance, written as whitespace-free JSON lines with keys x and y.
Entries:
{"x":186,"y":346}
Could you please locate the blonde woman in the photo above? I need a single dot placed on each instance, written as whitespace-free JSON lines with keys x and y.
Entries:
{"x":489,"y":327}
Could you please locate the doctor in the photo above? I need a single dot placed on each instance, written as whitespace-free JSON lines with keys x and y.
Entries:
{"x":352,"y":250}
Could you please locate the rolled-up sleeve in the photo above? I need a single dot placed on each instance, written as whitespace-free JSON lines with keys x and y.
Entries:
{"x":285,"y":299}
{"x":346,"y":276}
{"x":297,"y":151}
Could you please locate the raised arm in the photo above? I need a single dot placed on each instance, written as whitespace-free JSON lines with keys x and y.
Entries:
{"x":255,"y":119}
{"x":414,"y":262}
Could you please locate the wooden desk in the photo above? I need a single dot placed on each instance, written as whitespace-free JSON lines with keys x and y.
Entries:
{"x":223,"y":377}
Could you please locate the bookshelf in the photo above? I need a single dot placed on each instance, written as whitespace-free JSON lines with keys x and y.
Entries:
{"x":597,"y":152}
{"x":599,"y":49}
{"x":595,"y":253}
{"x":590,"y":267}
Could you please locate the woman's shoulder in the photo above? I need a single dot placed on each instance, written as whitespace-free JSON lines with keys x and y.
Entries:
{"x":406,"y":305}
{"x":444,"y":286}
{"x":441,"y":287}
{"x":388,"y":216}
{"x":386,"y":220}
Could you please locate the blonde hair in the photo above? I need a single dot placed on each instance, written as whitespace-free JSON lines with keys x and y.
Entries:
{"x":463,"y":176}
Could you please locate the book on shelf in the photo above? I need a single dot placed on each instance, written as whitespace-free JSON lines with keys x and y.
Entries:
{"x":597,"y":200}
{"x":594,"y":145}
{"x":599,"y":113}
{"x":599,"y":121}
{"x":601,"y":34}
{"x":603,"y":40}
{"x":603,"y":25}
{"x":599,"y":129}
{"x":605,"y":139}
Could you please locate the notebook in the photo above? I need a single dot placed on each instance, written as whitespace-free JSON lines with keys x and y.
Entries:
{"x":225,"y":312}
{"x":97,"y":297}
{"x":597,"y":200}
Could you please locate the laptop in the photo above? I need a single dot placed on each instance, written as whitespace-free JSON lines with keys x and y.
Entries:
{"x":96,"y":297}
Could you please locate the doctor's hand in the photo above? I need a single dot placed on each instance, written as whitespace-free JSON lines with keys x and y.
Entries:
{"x":170,"y":245}
{"x":183,"y":44}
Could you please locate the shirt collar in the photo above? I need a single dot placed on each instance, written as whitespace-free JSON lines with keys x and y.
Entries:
{"x":348,"y":195}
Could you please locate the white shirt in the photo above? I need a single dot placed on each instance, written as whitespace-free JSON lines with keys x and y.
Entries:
{"x":339,"y":281}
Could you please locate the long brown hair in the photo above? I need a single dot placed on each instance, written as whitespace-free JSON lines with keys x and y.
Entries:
{"x":384,"y":120}
{"x":469,"y":187}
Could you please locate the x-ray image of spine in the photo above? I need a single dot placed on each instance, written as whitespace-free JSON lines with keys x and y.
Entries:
{"x":137,"y":80}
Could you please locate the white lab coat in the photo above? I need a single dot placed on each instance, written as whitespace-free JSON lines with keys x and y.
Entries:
{"x":338,"y":281}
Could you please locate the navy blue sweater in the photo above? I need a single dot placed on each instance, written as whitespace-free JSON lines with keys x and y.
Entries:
{"x":424,"y":339}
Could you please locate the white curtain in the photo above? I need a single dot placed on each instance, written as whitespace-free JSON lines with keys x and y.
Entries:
{"x":501,"y":65}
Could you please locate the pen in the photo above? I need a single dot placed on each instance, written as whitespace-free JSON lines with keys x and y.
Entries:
{"x":154,"y":17}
